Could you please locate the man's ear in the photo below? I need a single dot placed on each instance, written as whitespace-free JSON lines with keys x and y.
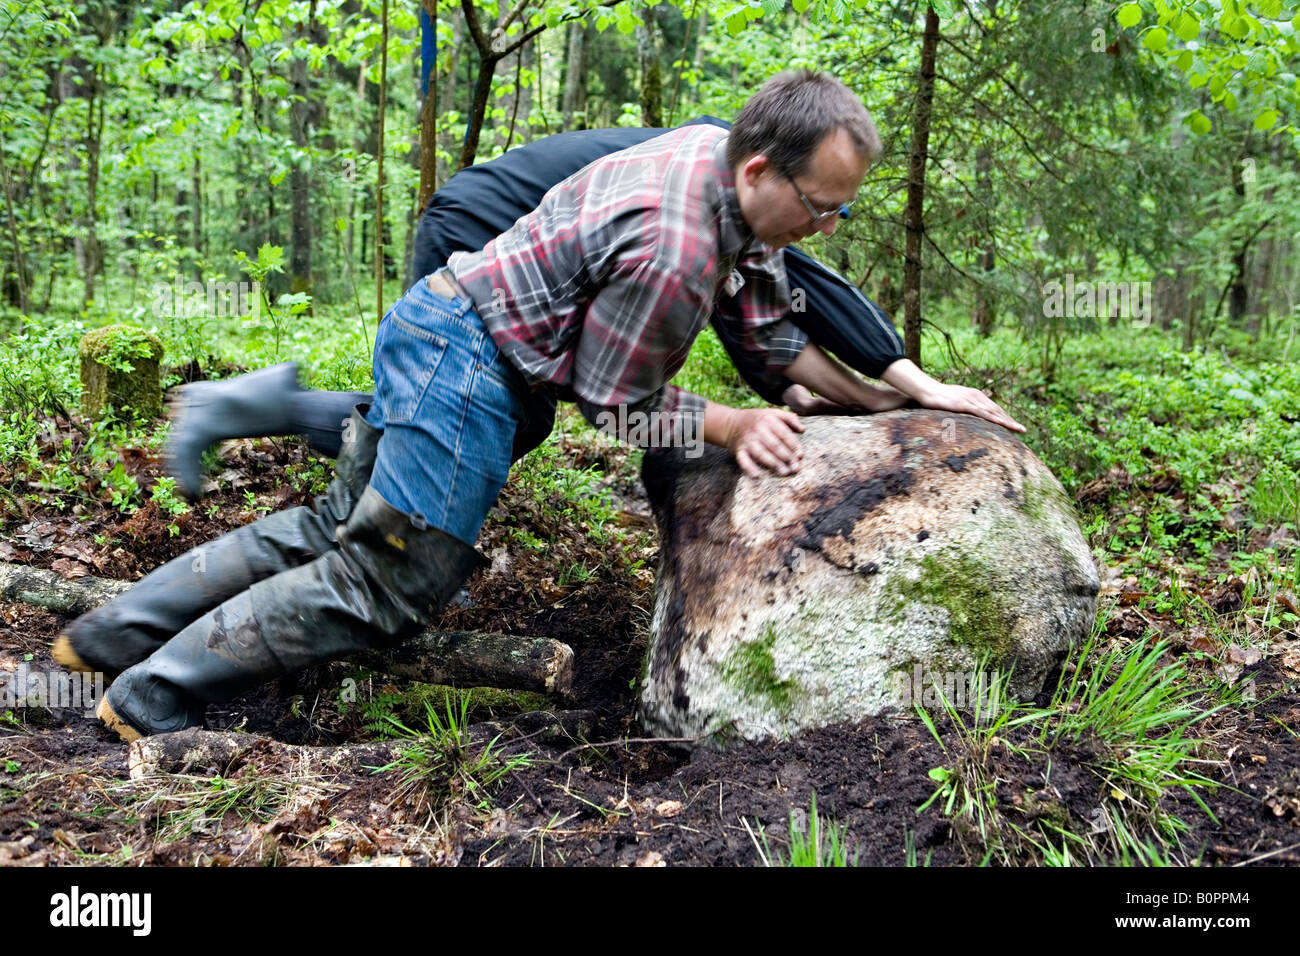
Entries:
{"x":754,"y":168}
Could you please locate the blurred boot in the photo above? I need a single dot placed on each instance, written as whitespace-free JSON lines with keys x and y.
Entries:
{"x":126,"y":630}
{"x":248,"y":406}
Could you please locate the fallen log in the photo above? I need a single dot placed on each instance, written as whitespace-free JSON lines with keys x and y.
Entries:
{"x":210,"y":751}
{"x":476,"y":659}
{"x":198,"y":751}
{"x":458,"y":658}
{"x":20,"y":584}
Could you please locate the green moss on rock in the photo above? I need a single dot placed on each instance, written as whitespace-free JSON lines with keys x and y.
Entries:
{"x":1044,"y":497}
{"x":751,"y":669}
{"x":979,"y":617}
{"x":120,"y":371}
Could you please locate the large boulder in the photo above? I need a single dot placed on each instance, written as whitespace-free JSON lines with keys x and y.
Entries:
{"x":910,"y":546}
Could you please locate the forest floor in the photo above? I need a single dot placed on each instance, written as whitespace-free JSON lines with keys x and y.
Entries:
{"x":602,"y":797}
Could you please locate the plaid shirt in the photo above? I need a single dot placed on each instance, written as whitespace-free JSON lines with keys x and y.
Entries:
{"x":603,"y":288}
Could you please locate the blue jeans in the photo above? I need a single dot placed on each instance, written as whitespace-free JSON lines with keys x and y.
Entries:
{"x":449,"y":404}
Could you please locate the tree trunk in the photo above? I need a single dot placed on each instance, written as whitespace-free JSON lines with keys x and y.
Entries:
{"x":15,"y":289}
{"x":521,"y":105}
{"x":196,"y":211}
{"x":93,"y":259}
{"x":574,"y":107}
{"x":379,"y":171}
{"x":448,"y":88}
{"x":1239,"y":294}
{"x":477,"y":111}
{"x":647,"y":45}
{"x":299,"y":180}
{"x":913,"y":218}
{"x":429,"y":125}
{"x":985,"y":300}
{"x":413,"y":208}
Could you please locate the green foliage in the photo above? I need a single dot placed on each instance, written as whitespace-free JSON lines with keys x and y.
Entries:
{"x":270,"y":261}
{"x":1231,"y":49}
{"x":565,"y":494}
{"x":709,"y":372}
{"x":1215,"y":429}
{"x":38,"y":373}
{"x":1129,"y":709}
{"x":821,"y":843}
{"x":119,"y":346}
{"x":443,"y":765}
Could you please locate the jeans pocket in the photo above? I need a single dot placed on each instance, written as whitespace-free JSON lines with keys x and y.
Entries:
{"x":409,"y":357}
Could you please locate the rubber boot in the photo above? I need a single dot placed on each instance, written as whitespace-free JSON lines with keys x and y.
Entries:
{"x":248,"y":406}
{"x":126,"y":630}
{"x":385,"y":580}
{"x":321,"y":417}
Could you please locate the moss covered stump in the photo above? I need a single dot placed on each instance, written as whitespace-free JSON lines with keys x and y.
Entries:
{"x":911,"y":546}
{"x":120,"y":372}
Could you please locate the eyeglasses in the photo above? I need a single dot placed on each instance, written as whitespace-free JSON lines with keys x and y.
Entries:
{"x":819,"y":217}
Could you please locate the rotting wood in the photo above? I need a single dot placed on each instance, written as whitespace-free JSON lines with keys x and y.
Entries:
{"x":210,"y":751}
{"x":197,"y":751}
{"x":476,"y":659}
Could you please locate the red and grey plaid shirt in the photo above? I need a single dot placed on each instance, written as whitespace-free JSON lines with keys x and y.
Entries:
{"x":602,"y":289}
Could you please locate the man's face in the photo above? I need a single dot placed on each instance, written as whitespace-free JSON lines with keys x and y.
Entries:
{"x":770,"y":202}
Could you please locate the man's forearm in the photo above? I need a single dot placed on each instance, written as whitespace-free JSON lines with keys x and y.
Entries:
{"x":821,"y":373}
{"x":905,"y":376}
{"x":717,"y":424}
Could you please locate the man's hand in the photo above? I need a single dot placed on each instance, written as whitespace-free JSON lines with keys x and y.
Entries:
{"x":971,"y":401}
{"x":758,"y":437}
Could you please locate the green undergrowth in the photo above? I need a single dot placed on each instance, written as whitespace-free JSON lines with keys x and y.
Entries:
{"x":1125,"y":714}
{"x":442,"y":764}
{"x":1207,"y":441}
{"x":812,"y":841}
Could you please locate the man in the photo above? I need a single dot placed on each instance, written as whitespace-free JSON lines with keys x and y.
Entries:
{"x":483,"y":201}
{"x":597,"y":295}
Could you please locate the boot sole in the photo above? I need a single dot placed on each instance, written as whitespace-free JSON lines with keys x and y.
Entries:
{"x":115,"y":723}
{"x":64,"y":655}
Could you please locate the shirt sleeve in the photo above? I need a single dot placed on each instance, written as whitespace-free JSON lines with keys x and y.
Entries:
{"x":635,"y":337}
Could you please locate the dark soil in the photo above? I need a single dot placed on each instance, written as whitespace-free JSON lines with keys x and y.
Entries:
{"x":66,"y":795}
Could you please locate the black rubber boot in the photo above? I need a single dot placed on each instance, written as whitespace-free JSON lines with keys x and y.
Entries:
{"x":322,"y":417}
{"x":126,"y":630}
{"x":248,"y":406}
{"x":383,"y":582}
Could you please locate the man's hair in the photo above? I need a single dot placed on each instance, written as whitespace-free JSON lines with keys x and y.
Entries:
{"x":787,"y":119}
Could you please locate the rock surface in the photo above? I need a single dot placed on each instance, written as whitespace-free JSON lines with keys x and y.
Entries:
{"x":910,"y":545}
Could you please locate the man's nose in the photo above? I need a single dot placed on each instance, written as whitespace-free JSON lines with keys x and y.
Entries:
{"x":829,"y":225}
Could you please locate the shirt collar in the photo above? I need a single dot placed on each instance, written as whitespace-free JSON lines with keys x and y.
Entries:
{"x":734,"y":235}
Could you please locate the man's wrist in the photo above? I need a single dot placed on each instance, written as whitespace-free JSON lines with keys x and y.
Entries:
{"x":719,"y":422}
